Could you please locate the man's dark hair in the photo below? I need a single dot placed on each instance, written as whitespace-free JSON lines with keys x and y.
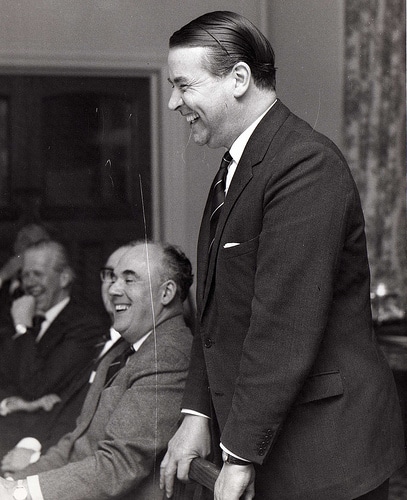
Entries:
{"x":230,"y":38}
{"x":178,"y":268}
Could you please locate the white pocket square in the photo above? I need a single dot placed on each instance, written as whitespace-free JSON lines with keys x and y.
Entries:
{"x":230,"y":245}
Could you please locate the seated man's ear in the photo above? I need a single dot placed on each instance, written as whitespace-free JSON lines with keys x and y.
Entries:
{"x":169,"y":291}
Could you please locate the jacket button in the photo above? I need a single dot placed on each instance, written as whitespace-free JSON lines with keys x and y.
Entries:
{"x":208,"y":343}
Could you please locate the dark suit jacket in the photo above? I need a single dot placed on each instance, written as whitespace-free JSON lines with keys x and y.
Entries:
{"x":123,"y":429}
{"x":298,"y":383}
{"x":49,"y":427}
{"x":31,"y":369}
{"x":57,"y":364}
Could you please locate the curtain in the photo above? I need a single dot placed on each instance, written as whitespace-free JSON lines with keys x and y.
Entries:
{"x":375,"y":133}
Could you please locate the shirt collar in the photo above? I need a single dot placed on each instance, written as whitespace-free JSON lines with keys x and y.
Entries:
{"x":52,"y":313}
{"x":138,"y":344}
{"x":238,"y":146}
{"x":114,"y":334}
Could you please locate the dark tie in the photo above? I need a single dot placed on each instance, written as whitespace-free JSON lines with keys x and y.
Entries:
{"x":218,"y":195}
{"x":38,"y":319}
{"x":118,"y":363}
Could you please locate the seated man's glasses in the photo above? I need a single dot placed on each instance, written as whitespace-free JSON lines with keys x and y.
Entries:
{"x":107,"y":275}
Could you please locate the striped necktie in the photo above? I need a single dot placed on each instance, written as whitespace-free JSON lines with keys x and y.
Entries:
{"x":218,"y":195}
{"x":117,"y":364}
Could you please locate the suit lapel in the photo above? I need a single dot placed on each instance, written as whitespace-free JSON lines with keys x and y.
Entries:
{"x":55,"y":331}
{"x":92,"y":399}
{"x":254,"y":152}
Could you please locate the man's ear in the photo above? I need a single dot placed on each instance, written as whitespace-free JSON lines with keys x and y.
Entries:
{"x":65,"y":278}
{"x":169,"y":291}
{"x":242,"y":76}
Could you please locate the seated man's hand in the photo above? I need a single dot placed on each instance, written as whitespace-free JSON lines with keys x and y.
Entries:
{"x":48,"y":401}
{"x":15,"y":403}
{"x":16,"y":459}
{"x":23,"y":310}
{"x":12,"y":404}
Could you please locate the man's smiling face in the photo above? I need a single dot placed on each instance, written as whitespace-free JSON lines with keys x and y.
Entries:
{"x":201,"y":97}
{"x":135,"y":295}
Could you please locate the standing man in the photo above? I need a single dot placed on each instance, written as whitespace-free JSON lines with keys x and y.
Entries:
{"x":285,"y":363}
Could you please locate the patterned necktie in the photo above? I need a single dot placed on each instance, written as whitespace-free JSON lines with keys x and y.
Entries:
{"x":218,"y":195}
{"x":117,"y":364}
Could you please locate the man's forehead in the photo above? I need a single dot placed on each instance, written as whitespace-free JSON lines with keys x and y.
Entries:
{"x":39,"y":255}
{"x":185,"y":57}
{"x":138,"y":257}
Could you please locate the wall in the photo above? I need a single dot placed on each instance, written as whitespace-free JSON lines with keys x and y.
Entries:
{"x":308,"y":38}
{"x":130,"y":36}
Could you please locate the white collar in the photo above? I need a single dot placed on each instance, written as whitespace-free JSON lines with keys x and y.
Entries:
{"x":240,"y":143}
{"x":138,"y":344}
{"x":53,"y":312}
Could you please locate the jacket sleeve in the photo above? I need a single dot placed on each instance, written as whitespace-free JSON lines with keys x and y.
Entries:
{"x":136,"y":434}
{"x":196,"y":394}
{"x":306,"y":209}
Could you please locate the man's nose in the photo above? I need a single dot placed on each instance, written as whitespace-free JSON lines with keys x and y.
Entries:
{"x":29,"y":280}
{"x":115,"y":288}
{"x":175,"y":100}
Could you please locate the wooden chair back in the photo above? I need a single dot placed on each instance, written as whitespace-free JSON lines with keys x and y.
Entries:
{"x":203,"y":475}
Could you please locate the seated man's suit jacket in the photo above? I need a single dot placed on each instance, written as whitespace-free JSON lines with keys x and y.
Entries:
{"x":297,"y":380}
{"x":124,"y":427}
{"x":31,"y":370}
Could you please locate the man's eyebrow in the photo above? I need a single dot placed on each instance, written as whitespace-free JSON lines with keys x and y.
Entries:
{"x":128,"y":273}
{"x":177,"y":80}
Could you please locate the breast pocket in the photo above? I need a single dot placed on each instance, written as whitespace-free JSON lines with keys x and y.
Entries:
{"x":234,"y":249}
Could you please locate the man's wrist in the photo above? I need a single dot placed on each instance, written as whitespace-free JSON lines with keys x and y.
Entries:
{"x":230,"y":459}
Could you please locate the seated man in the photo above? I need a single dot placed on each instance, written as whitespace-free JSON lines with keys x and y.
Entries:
{"x":127,"y":419}
{"x":35,"y":363}
{"x":10,"y":271}
{"x":48,"y":427}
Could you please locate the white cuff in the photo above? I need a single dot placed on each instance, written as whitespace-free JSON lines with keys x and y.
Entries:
{"x":233,"y":454}
{"x":3,"y":407}
{"x":193,"y":412}
{"x":30,"y":443}
{"x":33,"y":444}
{"x":33,"y":484}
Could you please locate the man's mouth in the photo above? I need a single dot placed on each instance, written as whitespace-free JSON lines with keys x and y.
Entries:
{"x":192,"y":118}
{"x":121,"y":307}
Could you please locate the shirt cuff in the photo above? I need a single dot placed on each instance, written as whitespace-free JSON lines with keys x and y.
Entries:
{"x":3,"y":407}
{"x":233,"y":454}
{"x":33,"y":444}
{"x":33,"y":485}
{"x":193,"y":412}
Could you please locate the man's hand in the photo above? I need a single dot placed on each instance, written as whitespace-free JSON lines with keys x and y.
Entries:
{"x":6,"y":489}
{"x":23,"y":310}
{"x":235,"y":482}
{"x":48,"y":401}
{"x":190,"y":441}
{"x":16,"y":459}
{"x":15,"y":403}
{"x":11,"y":268}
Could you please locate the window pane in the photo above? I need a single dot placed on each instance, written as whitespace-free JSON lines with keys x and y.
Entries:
{"x":89,"y":140}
